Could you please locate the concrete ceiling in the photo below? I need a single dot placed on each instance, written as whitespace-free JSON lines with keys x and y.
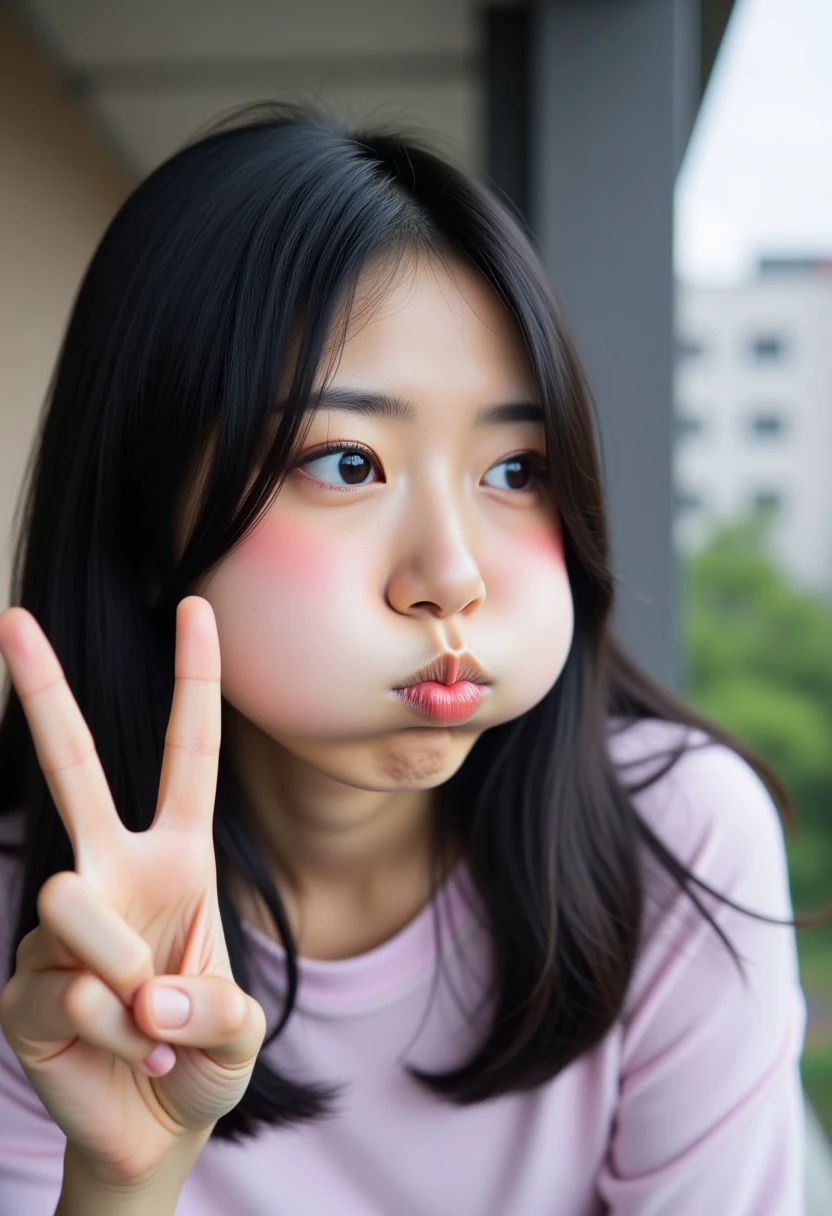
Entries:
{"x":149,"y":73}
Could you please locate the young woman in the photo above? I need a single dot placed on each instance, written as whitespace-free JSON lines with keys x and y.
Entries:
{"x":464,"y":916}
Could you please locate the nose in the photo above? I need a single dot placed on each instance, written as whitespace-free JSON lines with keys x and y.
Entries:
{"x":435,"y":572}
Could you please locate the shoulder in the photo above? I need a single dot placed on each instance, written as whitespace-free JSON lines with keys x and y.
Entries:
{"x":710,"y":1100}
{"x":715,"y":816}
{"x":710,"y":809}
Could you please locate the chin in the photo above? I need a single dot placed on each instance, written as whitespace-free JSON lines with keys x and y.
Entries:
{"x":421,"y":759}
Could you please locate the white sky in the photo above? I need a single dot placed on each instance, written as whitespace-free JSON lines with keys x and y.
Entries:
{"x":757,"y":177}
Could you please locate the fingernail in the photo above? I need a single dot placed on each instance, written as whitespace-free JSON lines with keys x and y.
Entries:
{"x":169,"y":1008}
{"x":160,"y":1061}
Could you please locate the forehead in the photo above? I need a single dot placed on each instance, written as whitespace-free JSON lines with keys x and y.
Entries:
{"x":430,"y":321}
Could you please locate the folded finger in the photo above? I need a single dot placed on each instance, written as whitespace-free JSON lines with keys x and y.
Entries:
{"x":44,"y":1011}
{"x":73,"y":914}
{"x":39,"y":951}
{"x":205,"y":1011}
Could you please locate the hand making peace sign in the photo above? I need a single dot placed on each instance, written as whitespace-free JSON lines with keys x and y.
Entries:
{"x":138,"y":918}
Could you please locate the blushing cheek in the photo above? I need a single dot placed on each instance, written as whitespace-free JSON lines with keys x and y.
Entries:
{"x":545,"y":545}
{"x":528,"y":583}
{"x":526,"y":564}
{"x":279,"y":551}
{"x":285,"y":644}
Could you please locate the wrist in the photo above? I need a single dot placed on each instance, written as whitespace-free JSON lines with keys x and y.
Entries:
{"x":84,"y":1192}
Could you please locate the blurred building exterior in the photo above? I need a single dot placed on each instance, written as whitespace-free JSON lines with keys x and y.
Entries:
{"x":579,"y":111}
{"x":754,"y":412}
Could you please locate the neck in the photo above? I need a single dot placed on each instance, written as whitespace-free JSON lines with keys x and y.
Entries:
{"x":352,"y":866}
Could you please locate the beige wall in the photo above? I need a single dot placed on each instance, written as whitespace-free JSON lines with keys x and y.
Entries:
{"x":150,"y":80}
{"x":58,"y":191}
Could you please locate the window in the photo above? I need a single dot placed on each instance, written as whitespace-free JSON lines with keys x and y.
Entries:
{"x":767,"y":425}
{"x":689,"y":348}
{"x":767,"y":500}
{"x":689,"y":424}
{"x":767,"y":347}
{"x":688,"y":501}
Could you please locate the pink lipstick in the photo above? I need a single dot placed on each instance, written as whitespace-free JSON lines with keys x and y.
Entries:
{"x":447,"y":690}
{"x":447,"y":704}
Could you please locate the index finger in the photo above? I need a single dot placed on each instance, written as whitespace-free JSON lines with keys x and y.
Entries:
{"x":64,"y":745}
{"x":188,"y":782}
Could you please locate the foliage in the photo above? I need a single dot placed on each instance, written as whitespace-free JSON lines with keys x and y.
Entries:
{"x":758,"y":659}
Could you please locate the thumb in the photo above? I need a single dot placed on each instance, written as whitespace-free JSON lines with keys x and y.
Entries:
{"x":204,"y":1011}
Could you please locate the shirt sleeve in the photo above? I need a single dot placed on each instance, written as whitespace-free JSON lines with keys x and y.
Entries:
{"x":710,"y":1111}
{"x":31,"y":1143}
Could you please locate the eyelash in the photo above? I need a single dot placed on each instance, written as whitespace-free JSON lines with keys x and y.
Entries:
{"x":538,"y":463}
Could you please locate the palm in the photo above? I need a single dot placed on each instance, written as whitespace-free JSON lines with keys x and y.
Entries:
{"x":161,"y":884}
{"x":156,"y":889}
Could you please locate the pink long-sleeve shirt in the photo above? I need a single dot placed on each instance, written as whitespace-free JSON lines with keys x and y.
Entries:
{"x":690,"y":1106}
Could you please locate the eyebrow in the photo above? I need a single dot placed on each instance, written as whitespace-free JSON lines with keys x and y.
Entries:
{"x":386,"y":405}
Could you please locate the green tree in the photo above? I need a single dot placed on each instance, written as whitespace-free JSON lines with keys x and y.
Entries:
{"x":758,"y":659}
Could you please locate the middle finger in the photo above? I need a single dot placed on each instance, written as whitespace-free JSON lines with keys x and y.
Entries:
{"x":188,"y":782}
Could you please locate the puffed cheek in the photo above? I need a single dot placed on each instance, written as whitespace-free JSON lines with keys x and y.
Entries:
{"x":543,"y":544}
{"x":528,"y":564}
{"x":282,"y":635}
{"x":281,"y":552}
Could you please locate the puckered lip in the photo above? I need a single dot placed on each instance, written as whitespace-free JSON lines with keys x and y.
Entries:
{"x":449,"y":668}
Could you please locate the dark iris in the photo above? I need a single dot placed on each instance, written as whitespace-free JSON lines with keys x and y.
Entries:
{"x":518,"y":472}
{"x":354,"y":467}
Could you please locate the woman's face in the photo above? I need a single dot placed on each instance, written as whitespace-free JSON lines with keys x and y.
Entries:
{"x":426,"y":535}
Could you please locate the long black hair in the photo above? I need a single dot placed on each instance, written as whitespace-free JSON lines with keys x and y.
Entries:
{"x":224,"y":268}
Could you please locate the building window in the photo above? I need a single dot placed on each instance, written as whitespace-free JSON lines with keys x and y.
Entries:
{"x":767,"y":347}
{"x":689,"y":348}
{"x":767,"y":425}
{"x":769,"y":501}
{"x":688,"y":501}
{"x":689,"y":424}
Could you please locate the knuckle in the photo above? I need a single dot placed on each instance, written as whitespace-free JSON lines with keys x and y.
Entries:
{"x":258,"y":1017}
{"x":142,"y":960}
{"x":260,"y":1025}
{"x":51,"y":895}
{"x":26,"y":948}
{"x":8,"y":1003}
{"x":233,"y":1012}
{"x":74,"y":753}
{"x":81,"y":1000}
{"x":137,"y":969}
{"x":199,"y":745}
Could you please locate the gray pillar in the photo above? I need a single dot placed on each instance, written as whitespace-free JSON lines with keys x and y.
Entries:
{"x":605,"y":145}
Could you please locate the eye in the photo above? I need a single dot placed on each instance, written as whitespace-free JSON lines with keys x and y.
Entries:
{"x":521,"y":472}
{"x":340,"y":466}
